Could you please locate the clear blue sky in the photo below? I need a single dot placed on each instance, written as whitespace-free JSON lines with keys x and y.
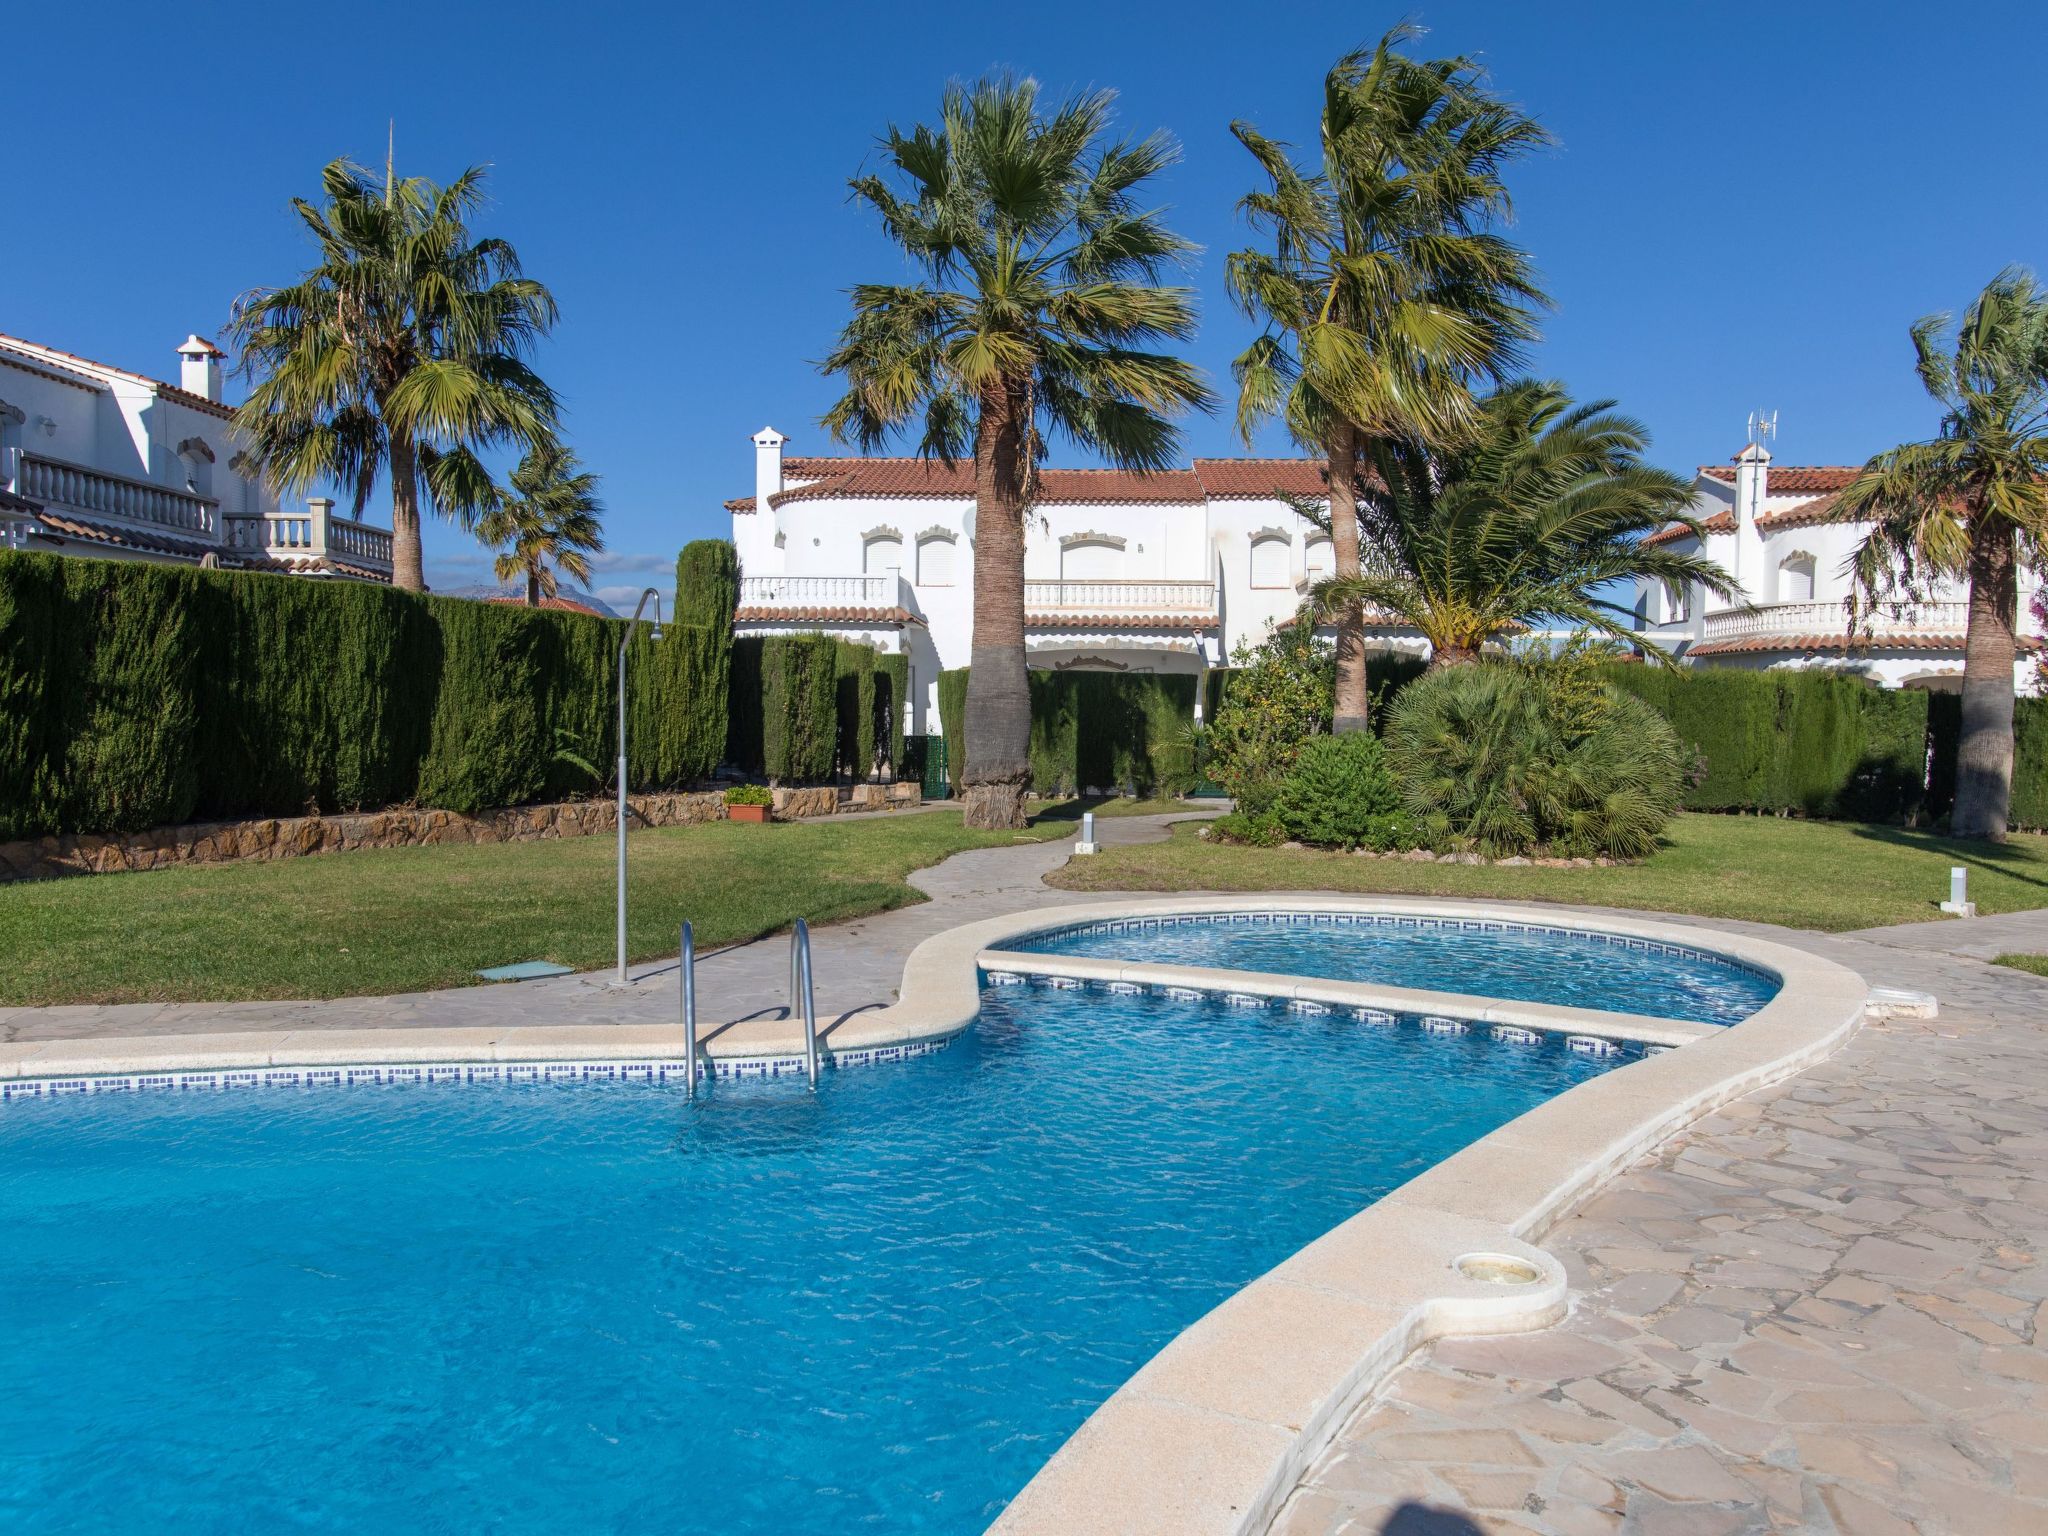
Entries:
{"x":1748,"y":206}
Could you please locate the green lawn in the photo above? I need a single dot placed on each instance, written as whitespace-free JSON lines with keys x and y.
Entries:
{"x":405,"y":919}
{"x":2037,"y":964}
{"x":1804,"y":874}
{"x":1115,"y":805}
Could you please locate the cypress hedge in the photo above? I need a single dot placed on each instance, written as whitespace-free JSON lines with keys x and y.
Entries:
{"x":139,"y":695}
{"x":785,"y":707}
{"x":1092,"y":730}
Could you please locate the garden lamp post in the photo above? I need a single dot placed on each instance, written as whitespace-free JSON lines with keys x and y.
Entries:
{"x":620,"y":979}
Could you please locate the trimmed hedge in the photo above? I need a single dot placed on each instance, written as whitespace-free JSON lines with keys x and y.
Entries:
{"x":1092,"y":730}
{"x":1810,"y":743}
{"x":807,"y":709}
{"x":139,"y":695}
{"x":2029,"y":809}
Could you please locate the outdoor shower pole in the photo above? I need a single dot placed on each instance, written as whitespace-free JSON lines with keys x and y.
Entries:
{"x":620,"y":979}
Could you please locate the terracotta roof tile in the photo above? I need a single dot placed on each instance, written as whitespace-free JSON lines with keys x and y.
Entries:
{"x":9,"y":502}
{"x":186,"y":397}
{"x":759,"y":615}
{"x":1263,"y":478}
{"x":309,"y":565}
{"x":552,"y":604}
{"x":1762,"y":644}
{"x":841,"y":479}
{"x":1820,"y":509}
{"x":1793,"y":479}
{"x":69,"y":527}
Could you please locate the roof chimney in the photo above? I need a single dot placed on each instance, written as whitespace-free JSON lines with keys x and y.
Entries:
{"x":199,"y":368}
{"x":767,"y":466}
{"x":1752,"y":485}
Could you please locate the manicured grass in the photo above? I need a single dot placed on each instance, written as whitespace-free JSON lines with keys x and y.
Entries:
{"x":1115,"y":805}
{"x":403,"y":920}
{"x":1803,"y":874}
{"x":2037,"y":964}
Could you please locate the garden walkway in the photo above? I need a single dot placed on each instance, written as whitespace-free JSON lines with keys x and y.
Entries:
{"x":1821,"y":1310}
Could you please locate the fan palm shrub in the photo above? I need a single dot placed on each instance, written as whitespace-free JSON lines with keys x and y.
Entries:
{"x":403,"y":351}
{"x":547,"y":521}
{"x":1538,"y":509}
{"x":1970,"y":503}
{"x":1387,"y":289}
{"x":1040,"y":307}
{"x":1503,"y":759}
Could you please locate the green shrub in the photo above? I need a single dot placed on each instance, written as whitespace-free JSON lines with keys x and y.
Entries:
{"x":785,"y":707}
{"x":1499,"y":759}
{"x":892,"y":691}
{"x":1102,"y":731}
{"x":1278,"y":698}
{"x":1253,"y":831}
{"x":953,"y":723}
{"x":488,"y":744}
{"x":855,"y":671}
{"x":1338,"y":788}
{"x":749,"y":794}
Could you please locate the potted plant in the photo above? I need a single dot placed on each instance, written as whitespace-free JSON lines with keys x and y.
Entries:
{"x":747,"y":802}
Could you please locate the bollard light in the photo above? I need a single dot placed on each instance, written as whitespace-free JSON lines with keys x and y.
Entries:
{"x":1959,"y":903}
{"x":1087,"y":843}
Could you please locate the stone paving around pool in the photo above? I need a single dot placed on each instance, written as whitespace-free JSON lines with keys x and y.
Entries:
{"x":1818,"y":1311}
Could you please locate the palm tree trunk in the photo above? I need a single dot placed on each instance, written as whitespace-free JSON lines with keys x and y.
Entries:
{"x":998,"y":724}
{"x":532,"y":588}
{"x":408,"y":573}
{"x":1442,"y":657}
{"x":1984,"y":755}
{"x":1353,"y":702}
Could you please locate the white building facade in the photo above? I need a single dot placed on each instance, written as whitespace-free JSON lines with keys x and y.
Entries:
{"x":95,"y":460}
{"x":1124,"y":572}
{"x":1772,"y":527}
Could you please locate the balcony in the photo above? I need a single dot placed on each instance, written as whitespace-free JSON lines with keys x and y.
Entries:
{"x":1192,"y":599}
{"x":811,"y":592}
{"x":315,"y":534}
{"x":93,"y":493}
{"x":1889,"y":621}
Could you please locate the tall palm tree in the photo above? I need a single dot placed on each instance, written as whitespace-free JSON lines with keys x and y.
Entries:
{"x":404,"y":349}
{"x":1040,"y":299}
{"x":1388,"y":290}
{"x":1972,"y":502}
{"x":546,"y":521}
{"x":1540,"y":504}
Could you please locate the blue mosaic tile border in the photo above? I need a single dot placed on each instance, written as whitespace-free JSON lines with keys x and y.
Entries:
{"x":1393,"y":920}
{"x":653,"y":1070}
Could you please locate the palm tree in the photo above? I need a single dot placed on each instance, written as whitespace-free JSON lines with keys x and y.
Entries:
{"x":548,"y":517}
{"x":1388,"y":290}
{"x":404,"y":349}
{"x":1540,"y":505}
{"x":1971,"y":503}
{"x":1040,"y":298}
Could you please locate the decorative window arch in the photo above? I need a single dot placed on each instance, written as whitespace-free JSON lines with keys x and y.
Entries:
{"x":1319,"y":559}
{"x":1272,"y":555}
{"x":1678,"y":603}
{"x":935,"y":550}
{"x":881,"y":551}
{"x":197,"y":457}
{"x":1091,"y":557}
{"x":1795,"y":578}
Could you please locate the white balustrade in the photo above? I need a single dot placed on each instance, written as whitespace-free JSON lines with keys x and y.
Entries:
{"x":884,"y":591}
{"x":57,"y":484}
{"x":1111,"y":597}
{"x":1898,"y":620}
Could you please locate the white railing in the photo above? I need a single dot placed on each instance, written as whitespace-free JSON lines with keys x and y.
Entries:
{"x":1895,"y":620}
{"x":57,"y":484}
{"x":884,"y":591}
{"x":313,"y":534}
{"x":1112,"y":597}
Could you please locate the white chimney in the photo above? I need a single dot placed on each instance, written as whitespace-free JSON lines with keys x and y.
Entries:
{"x":1752,"y":485}
{"x":199,"y":368}
{"x":767,"y":467}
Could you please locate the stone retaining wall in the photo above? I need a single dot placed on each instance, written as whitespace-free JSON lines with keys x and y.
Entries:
{"x":294,"y":837}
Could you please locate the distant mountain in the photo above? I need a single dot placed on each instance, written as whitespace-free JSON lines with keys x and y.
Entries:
{"x":570,"y":597}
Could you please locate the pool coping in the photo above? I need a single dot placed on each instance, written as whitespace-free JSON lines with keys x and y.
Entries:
{"x":1212,"y":1433}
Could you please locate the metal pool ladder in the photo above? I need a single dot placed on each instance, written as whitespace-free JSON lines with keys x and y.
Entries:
{"x":800,"y":992}
{"x":689,"y":974}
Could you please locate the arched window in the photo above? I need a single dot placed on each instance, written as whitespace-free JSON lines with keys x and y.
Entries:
{"x":1270,"y":553}
{"x":1091,"y":559}
{"x":1795,"y":579}
{"x":1677,"y":604}
{"x":196,"y":459}
{"x":1321,"y":560}
{"x":935,"y":560}
{"x":881,"y":553}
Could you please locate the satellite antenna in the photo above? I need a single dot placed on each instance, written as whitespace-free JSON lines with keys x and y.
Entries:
{"x":1763,"y":425}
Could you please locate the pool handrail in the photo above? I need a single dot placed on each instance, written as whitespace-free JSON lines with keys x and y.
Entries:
{"x":688,"y":969}
{"x":801,"y":993}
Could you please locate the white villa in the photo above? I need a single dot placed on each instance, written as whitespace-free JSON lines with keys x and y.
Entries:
{"x":1124,"y":572}
{"x":1772,"y":529}
{"x":95,"y":460}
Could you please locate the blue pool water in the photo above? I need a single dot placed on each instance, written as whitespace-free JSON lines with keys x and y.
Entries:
{"x":598,"y":1307}
{"x":1528,"y":965}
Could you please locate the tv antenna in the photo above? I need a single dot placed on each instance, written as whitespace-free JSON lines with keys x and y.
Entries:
{"x":1763,"y":425}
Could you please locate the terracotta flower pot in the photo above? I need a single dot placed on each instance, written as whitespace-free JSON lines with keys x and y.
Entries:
{"x":746,"y":813}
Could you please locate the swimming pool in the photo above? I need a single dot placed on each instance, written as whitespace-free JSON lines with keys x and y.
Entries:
{"x":596,"y":1306}
{"x":1522,"y":962}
